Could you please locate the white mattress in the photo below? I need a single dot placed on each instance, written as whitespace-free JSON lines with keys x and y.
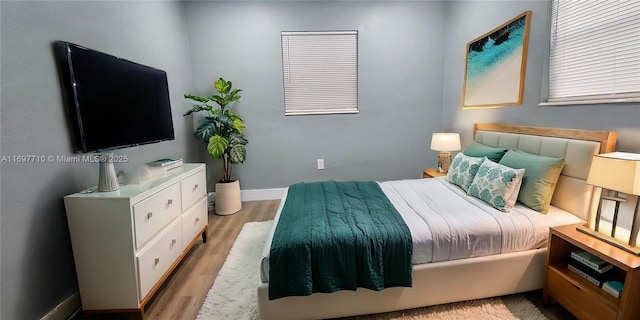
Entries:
{"x":447,"y":224}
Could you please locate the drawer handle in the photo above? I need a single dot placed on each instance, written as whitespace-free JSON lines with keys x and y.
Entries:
{"x":156,"y":261}
{"x":173,"y":241}
{"x":197,"y":220}
{"x":195,"y":187}
{"x":149,"y":215}
{"x":170,"y":201}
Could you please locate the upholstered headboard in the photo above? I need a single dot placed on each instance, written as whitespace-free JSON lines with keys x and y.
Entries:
{"x":577,"y":147}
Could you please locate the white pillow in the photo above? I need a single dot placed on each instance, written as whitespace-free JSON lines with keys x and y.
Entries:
{"x":497,"y":185}
{"x":462,"y":170}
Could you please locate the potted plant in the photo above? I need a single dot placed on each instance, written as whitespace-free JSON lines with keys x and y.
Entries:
{"x":223,"y":131}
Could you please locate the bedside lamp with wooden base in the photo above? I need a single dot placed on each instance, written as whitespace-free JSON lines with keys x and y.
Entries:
{"x":445,"y":143}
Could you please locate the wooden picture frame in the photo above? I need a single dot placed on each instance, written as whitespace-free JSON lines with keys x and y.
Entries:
{"x":495,"y":65}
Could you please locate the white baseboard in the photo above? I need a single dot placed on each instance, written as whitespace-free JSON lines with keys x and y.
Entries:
{"x":262,"y":194}
{"x":65,"y":309}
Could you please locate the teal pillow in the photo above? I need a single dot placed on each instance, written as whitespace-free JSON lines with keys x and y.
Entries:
{"x":497,"y":185}
{"x":540,"y":177}
{"x":463,"y":169}
{"x":480,"y":150}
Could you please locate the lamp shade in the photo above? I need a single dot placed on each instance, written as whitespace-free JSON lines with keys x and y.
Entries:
{"x":619,"y":171}
{"x":441,"y":141}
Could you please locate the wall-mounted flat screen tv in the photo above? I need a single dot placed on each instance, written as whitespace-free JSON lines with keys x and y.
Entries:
{"x":112,"y":102}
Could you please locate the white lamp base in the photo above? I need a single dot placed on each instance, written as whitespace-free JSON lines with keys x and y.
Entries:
{"x":107,"y":178}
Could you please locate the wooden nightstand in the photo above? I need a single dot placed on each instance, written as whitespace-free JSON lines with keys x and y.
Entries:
{"x":579,"y":296}
{"x":432,"y":173}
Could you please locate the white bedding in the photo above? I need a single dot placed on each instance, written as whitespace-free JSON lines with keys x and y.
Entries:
{"x":447,"y":224}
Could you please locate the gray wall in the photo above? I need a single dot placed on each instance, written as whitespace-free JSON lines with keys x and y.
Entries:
{"x":467,"y":20}
{"x":411,"y":64}
{"x":400,"y":65}
{"x":37,"y":265}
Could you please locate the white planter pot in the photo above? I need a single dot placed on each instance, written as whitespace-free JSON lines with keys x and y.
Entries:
{"x":228,"y":199}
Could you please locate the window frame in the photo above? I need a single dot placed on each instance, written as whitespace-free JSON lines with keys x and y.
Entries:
{"x":294,"y":91}
{"x":632,"y":97}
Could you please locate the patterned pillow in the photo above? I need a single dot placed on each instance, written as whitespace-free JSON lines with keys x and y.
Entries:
{"x":497,"y":185}
{"x":463,"y":169}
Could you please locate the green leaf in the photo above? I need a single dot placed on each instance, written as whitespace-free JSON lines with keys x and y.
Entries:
{"x":205,"y":130}
{"x":217,"y":145}
{"x":222,"y":86}
{"x":238,"y":153}
{"x":238,"y":124}
{"x":219,"y":100}
{"x":225,"y":120}
{"x":189,"y":112}
{"x":234,"y":96}
{"x":196,"y":98}
{"x":236,"y":138}
{"x":197,"y":108}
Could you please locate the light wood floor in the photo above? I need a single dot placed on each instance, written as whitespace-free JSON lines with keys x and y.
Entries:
{"x":182,"y":294}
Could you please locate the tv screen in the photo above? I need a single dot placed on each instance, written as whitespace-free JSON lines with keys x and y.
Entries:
{"x":112,"y":102}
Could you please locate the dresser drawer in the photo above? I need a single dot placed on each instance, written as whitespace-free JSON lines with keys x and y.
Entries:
{"x":153,"y":213}
{"x":193,"y":221}
{"x":158,"y":257}
{"x":193,"y":188}
{"x":579,"y":302}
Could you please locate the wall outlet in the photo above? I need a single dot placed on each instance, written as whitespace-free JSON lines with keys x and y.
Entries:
{"x":320,"y":164}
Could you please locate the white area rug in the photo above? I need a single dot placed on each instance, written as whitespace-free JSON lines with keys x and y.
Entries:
{"x":233,"y":294}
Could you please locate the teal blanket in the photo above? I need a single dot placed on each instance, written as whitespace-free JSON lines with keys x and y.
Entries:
{"x":338,"y":236}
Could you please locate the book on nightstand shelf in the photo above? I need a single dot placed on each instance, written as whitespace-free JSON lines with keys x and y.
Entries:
{"x":590,"y":271}
{"x":584,"y":275}
{"x":613,"y":288}
{"x":591,"y":261}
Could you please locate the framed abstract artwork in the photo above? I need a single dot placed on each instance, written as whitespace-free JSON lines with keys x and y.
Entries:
{"x":495,"y":65}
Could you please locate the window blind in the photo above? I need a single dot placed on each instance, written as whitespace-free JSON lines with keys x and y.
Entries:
{"x":320,"y":72}
{"x":595,"y":50}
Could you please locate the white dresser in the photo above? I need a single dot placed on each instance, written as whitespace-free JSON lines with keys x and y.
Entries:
{"x":127,"y":242}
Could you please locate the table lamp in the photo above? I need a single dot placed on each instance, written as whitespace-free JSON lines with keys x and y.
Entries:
{"x":445,"y":143}
{"x":616,"y":177}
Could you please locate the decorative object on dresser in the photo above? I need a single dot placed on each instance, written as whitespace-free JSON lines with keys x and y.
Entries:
{"x":616,"y":177}
{"x":165,"y":164}
{"x":127,"y":242}
{"x":223,"y":131}
{"x":579,"y":295}
{"x":107,"y":178}
{"x":445,"y":143}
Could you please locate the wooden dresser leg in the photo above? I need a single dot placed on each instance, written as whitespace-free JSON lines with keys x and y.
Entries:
{"x":204,"y":234}
{"x":140,"y":314}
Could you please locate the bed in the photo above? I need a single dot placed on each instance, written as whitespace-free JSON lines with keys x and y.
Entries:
{"x":514,"y":268}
